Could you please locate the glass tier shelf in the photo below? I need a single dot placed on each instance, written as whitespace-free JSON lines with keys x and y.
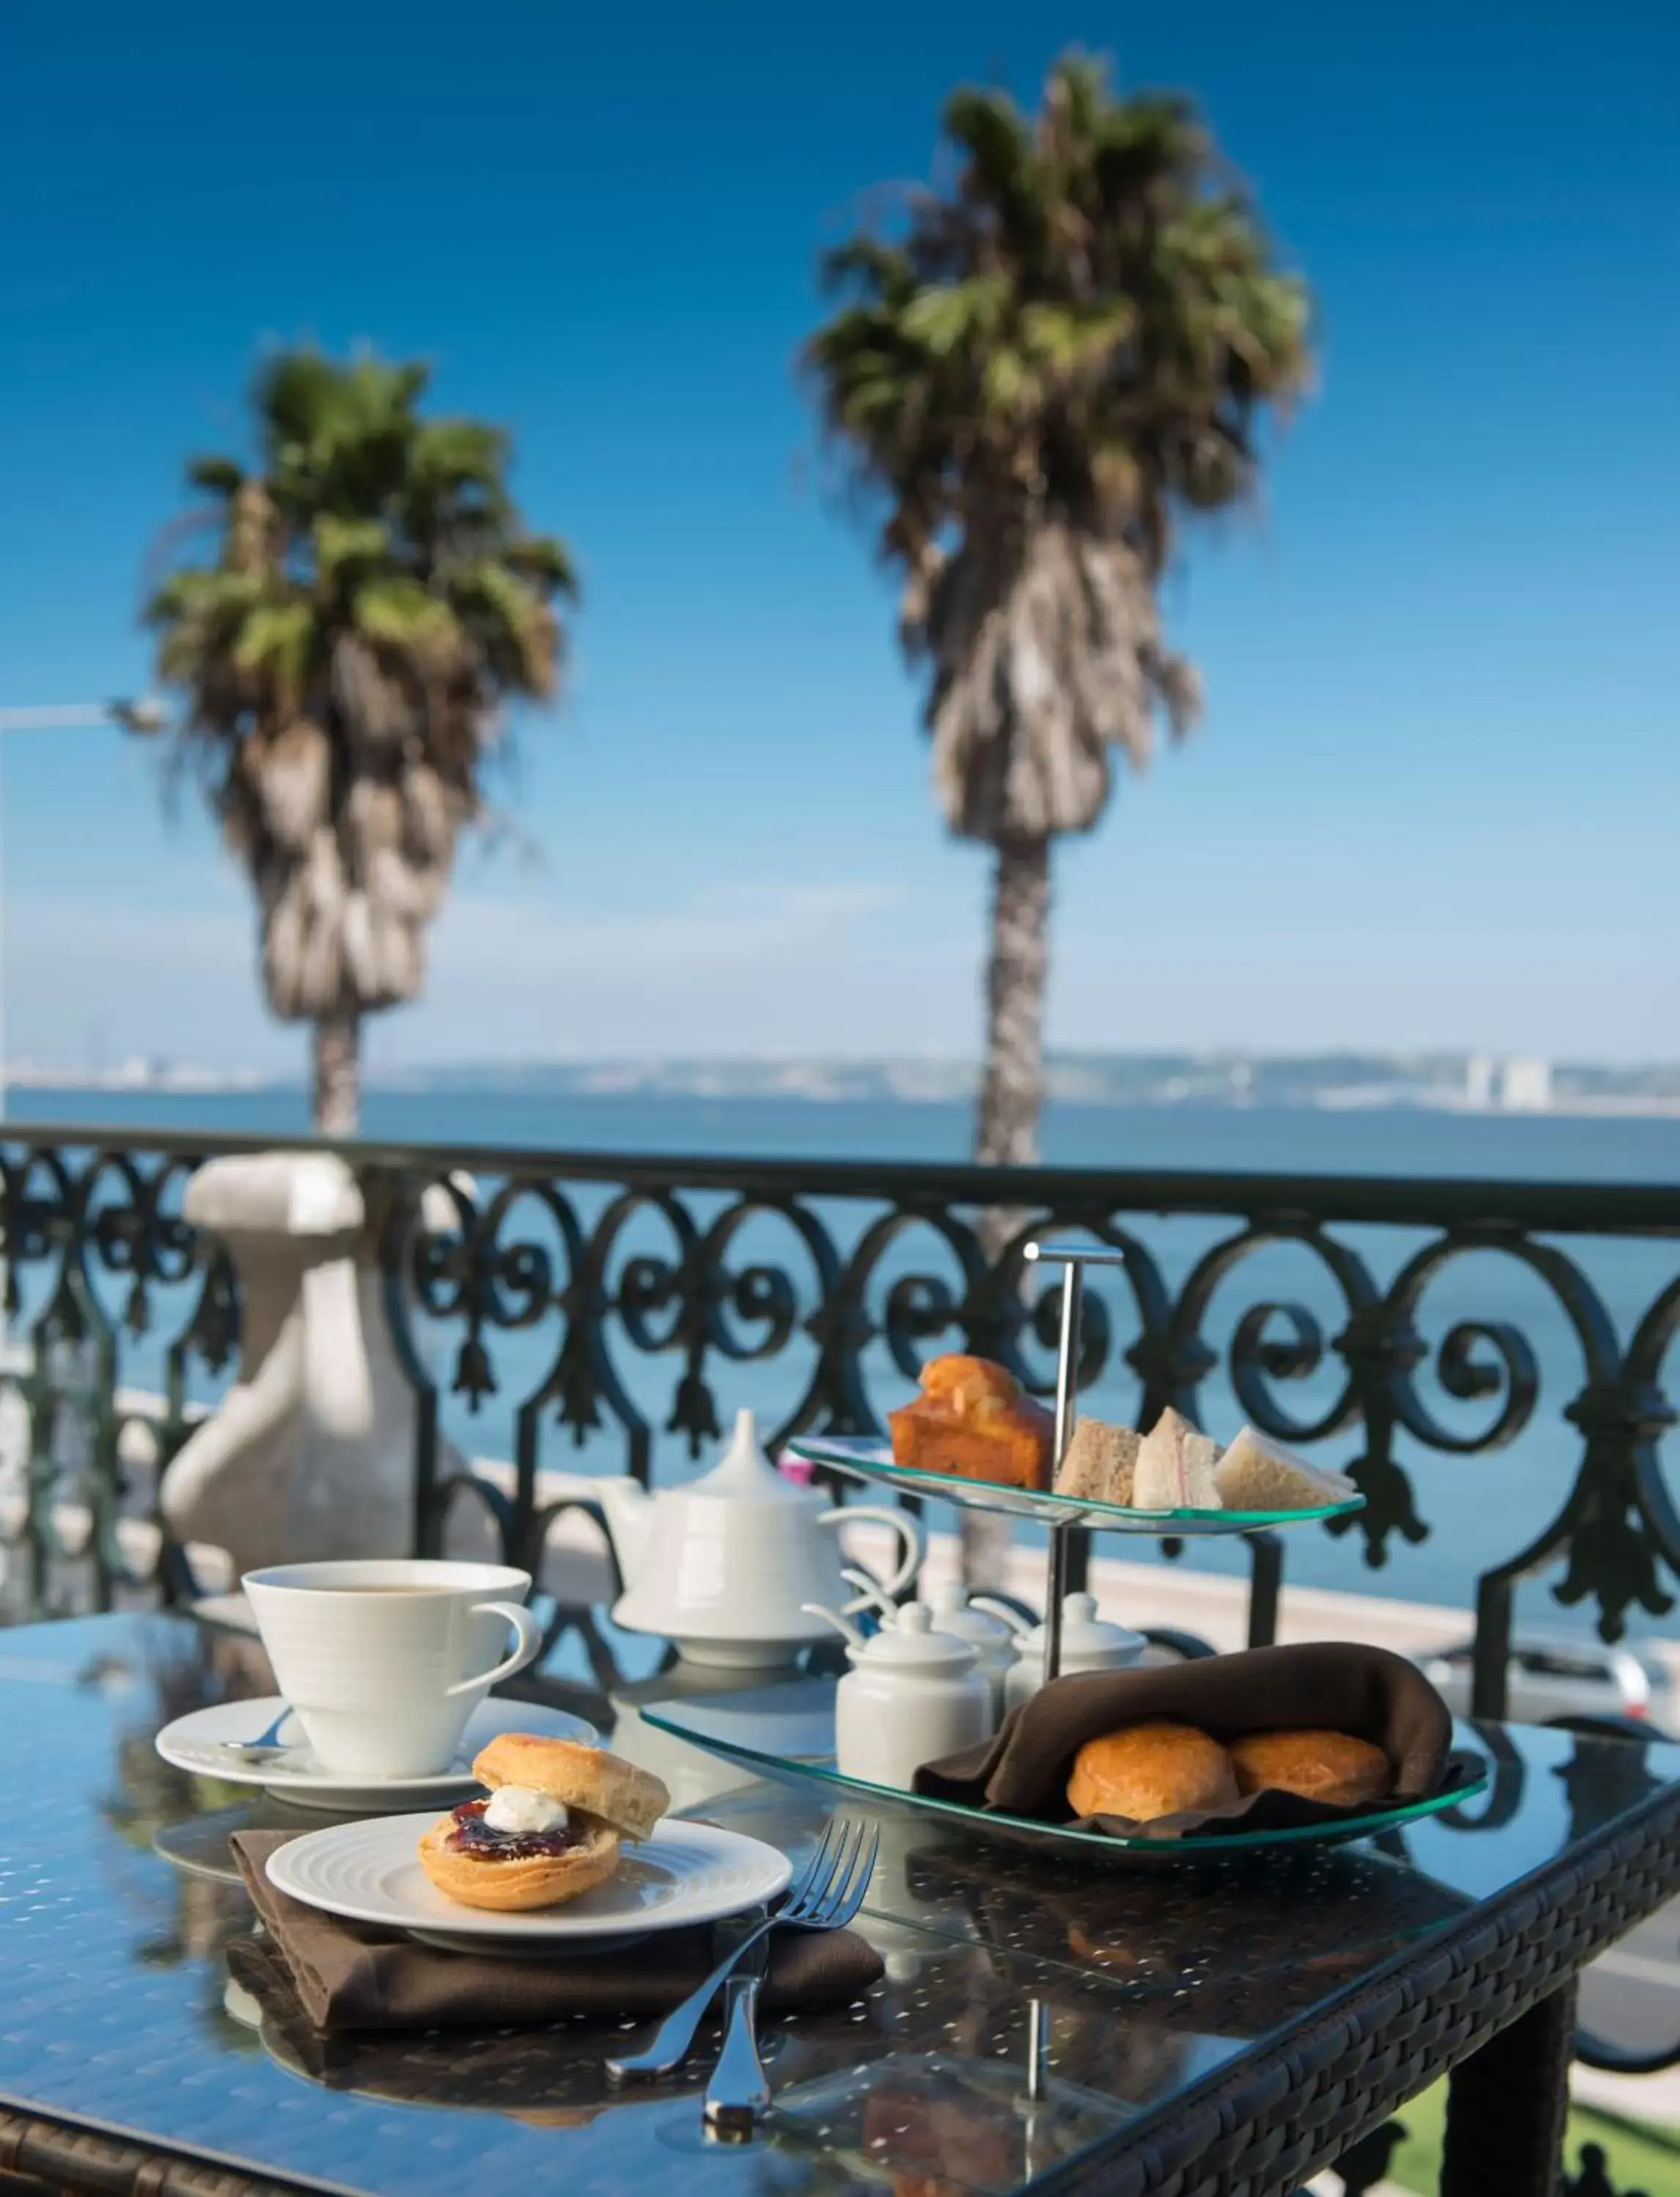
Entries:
{"x":871,"y":1460}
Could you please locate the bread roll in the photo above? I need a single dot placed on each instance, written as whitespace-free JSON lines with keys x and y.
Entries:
{"x":1145,"y":1770}
{"x":1175,"y":1469}
{"x":586,"y":1778}
{"x":1332,"y":1766}
{"x":973,"y":1418}
{"x":1100,"y":1462}
{"x":1256,"y":1474}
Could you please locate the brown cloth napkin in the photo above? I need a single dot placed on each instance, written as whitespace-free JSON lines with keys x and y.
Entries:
{"x":1326,"y":1685}
{"x":354,"y":1976}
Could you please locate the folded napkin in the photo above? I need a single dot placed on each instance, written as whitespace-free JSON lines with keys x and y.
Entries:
{"x":354,"y":1976}
{"x":1326,"y":1685}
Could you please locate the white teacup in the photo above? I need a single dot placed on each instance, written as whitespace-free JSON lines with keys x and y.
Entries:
{"x":383,"y":1659}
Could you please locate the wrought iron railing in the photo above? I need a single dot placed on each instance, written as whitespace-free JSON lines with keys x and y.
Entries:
{"x":617,"y":1305}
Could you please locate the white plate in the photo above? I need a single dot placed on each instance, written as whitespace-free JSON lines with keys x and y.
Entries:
{"x":207,"y":1743}
{"x":685,"y":1873}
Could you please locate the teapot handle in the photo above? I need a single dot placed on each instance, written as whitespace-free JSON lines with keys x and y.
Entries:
{"x":870,"y":1594}
{"x":910,"y":1561}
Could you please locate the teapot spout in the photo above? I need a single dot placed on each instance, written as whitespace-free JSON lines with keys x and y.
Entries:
{"x":629,"y":1515}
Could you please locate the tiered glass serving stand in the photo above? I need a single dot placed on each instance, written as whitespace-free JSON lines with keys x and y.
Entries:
{"x":1061,"y":1516}
{"x":785,"y":1732}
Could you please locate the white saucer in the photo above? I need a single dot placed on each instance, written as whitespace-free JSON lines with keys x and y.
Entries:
{"x":685,"y":1873}
{"x":207,"y":1743}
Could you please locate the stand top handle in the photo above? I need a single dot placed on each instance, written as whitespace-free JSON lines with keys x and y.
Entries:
{"x":1072,"y":1255}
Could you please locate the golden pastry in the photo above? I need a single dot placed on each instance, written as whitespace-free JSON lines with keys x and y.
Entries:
{"x":974,"y":1419}
{"x":550,"y":1830}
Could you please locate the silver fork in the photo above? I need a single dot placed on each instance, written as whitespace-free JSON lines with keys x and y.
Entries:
{"x":739,"y":2090}
{"x":825,"y":1897}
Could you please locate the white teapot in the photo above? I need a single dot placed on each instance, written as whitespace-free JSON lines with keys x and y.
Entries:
{"x":1089,"y":1643}
{"x":912,"y":1696}
{"x":729,"y":1565}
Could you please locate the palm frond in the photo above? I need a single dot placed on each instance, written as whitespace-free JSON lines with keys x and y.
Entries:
{"x":1002,"y":172}
{"x":275,"y":642}
{"x":400,"y":614}
{"x":339,"y":542}
{"x":216,"y":476}
{"x":545,"y":562}
{"x":512,"y":623}
{"x":869,"y":264}
{"x":945,"y":315}
{"x":460,"y":452}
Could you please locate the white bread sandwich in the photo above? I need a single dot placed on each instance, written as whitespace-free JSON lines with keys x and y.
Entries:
{"x":1175,"y":1468}
{"x":1257,"y":1475}
{"x":1100,"y":1462}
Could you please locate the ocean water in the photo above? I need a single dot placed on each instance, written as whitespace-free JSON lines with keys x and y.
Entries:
{"x":1354,"y":1141}
{"x":1481,"y":1508}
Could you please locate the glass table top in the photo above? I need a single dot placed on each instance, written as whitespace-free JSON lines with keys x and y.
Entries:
{"x":117,"y":2010}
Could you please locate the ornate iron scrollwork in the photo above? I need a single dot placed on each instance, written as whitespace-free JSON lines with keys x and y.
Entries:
{"x":94,"y":1244}
{"x":623,"y":1303}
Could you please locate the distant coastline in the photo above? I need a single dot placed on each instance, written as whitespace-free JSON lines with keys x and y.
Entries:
{"x":1340,"y":1082}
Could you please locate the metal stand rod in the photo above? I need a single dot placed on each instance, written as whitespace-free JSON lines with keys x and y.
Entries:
{"x":1067,"y":1412}
{"x":1055,"y":1594}
{"x":1073,"y":1258}
{"x":1038,"y":2046}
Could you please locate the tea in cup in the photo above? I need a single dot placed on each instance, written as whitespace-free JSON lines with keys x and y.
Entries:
{"x":383,"y":1659}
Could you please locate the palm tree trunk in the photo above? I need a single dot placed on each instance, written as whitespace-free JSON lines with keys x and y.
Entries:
{"x":338,"y":1075}
{"x":1007,"y":1132}
{"x":1012,"y":1092}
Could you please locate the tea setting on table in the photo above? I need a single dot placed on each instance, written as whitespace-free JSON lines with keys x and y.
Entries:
{"x":484,"y":1862}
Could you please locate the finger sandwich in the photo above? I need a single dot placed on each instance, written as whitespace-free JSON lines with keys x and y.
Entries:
{"x":1174,"y":1471}
{"x":1257,"y":1475}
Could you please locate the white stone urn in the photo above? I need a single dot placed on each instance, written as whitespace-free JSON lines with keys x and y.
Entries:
{"x":311,"y":1453}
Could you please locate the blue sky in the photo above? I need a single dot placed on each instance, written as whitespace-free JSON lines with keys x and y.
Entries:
{"x":1435,"y":796}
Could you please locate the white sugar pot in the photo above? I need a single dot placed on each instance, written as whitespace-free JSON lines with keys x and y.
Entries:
{"x":1089,"y":1643}
{"x":912,"y":1696}
{"x":991,"y":1639}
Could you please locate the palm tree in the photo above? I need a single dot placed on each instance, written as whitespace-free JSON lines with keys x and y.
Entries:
{"x":374,"y":599}
{"x":1039,"y":373}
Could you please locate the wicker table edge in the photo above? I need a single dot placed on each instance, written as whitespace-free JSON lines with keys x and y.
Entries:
{"x":38,"y":2152}
{"x":1261,"y":2125}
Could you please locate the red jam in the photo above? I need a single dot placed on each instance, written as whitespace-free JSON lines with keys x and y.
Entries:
{"x":474,"y":1836}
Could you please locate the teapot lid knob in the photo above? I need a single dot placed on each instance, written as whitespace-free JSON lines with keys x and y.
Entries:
{"x":744,"y":1468}
{"x":914,"y":1617}
{"x":1082,"y":1608}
